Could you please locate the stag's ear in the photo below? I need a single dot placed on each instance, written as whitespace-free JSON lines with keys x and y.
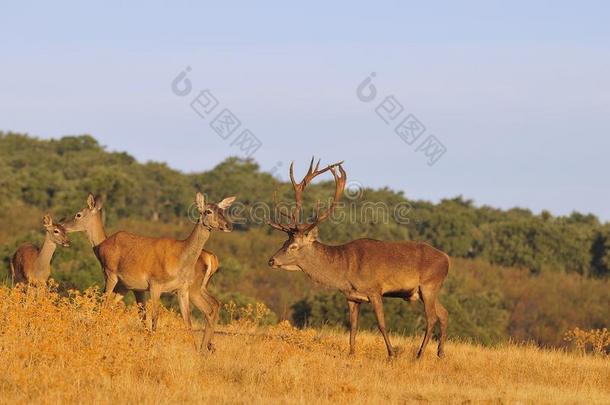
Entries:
{"x":312,"y":235}
{"x":226,"y":203}
{"x":200,"y":202}
{"x":47,"y":222}
{"x":91,"y":201}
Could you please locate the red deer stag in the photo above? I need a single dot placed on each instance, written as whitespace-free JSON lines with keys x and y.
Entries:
{"x":140,"y":264}
{"x":32,"y":265}
{"x":364,"y":270}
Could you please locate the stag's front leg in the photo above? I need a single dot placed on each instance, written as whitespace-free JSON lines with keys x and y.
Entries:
{"x":377,"y":303}
{"x":354,"y":314}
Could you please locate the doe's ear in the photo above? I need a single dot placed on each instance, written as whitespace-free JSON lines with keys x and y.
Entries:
{"x":200,"y":202}
{"x":226,"y":203}
{"x":312,"y":235}
{"x":91,"y":201}
{"x":47,"y":221}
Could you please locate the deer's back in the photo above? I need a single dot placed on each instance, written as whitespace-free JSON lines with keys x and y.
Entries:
{"x":395,"y":265}
{"x":24,"y":260}
{"x":138,"y":260}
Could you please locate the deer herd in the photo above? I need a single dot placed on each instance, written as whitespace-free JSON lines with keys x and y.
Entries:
{"x":364,"y":270}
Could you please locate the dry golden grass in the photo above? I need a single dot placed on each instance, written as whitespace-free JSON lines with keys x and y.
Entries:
{"x":69,"y":350}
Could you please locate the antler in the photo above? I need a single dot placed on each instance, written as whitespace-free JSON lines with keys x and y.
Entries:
{"x":278,"y":225}
{"x":312,"y":172}
{"x":340,"y":180}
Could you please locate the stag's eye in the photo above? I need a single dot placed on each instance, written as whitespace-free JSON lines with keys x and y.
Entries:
{"x":79,"y":215}
{"x":294,"y":246}
{"x":56,"y":232}
{"x":208,"y":211}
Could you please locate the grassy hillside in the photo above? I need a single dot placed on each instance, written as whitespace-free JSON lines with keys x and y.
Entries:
{"x":73,"y":350}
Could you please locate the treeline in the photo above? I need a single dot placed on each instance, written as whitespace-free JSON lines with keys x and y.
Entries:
{"x":151,"y":198}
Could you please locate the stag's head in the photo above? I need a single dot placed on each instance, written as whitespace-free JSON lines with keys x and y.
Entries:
{"x":55,"y":231}
{"x":85,"y":218}
{"x":301,"y":236}
{"x":212,"y":215}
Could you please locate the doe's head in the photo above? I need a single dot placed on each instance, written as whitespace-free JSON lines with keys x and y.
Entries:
{"x":85,"y":218}
{"x":212,"y":215}
{"x":55,"y":231}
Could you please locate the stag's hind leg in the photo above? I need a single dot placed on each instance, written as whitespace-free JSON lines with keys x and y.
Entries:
{"x":428,"y":294}
{"x":443,"y":318}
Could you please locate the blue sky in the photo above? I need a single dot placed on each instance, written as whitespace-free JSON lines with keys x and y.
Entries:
{"x":517,"y":92}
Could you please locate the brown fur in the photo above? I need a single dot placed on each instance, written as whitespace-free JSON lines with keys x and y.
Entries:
{"x":365,"y":270}
{"x":140,"y":263}
{"x":32,"y":265}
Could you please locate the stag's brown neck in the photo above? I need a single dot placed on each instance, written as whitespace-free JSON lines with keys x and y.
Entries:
{"x":96,"y":232}
{"x":326,"y":265}
{"x":194,"y":244}
{"x":42,"y":265}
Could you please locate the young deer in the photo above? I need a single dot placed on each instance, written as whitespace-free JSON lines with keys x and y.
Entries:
{"x":364,"y":270}
{"x":140,"y":264}
{"x":32,"y":265}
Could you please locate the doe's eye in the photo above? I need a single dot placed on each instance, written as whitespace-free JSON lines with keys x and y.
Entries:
{"x":79,"y":215}
{"x":56,"y":232}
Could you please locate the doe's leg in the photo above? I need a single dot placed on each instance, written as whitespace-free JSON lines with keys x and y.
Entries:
{"x":141,"y":302}
{"x":119,"y":292}
{"x":111,"y":281}
{"x":210,"y":308}
{"x":155,"y":298}
{"x":185,"y":311}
